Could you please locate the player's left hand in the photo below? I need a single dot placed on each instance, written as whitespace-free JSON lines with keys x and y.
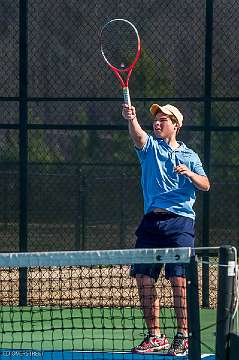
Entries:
{"x":183,"y":170}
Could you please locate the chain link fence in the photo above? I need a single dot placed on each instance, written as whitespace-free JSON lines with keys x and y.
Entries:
{"x":69,"y":176}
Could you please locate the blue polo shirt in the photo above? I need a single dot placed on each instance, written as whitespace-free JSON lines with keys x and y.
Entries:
{"x":162,"y":186}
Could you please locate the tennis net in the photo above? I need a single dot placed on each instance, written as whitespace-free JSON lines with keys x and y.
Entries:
{"x":84,"y":301}
{"x":78,"y":300}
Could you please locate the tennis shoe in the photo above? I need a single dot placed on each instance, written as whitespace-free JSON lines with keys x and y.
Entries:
{"x":179,"y":346}
{"x":152,"y":343}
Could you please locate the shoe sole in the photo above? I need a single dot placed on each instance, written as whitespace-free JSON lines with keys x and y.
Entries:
{"x":166,"y":347}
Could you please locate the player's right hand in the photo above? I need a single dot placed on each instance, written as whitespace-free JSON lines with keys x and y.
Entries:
{"x":128,"y":112}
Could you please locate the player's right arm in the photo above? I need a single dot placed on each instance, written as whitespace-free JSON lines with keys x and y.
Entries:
{"x":138,"y":135}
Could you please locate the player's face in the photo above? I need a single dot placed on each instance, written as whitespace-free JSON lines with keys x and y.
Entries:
{"x":163,"y":126}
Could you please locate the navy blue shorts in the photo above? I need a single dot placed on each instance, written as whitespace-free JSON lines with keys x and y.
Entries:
{"x":163,"y":230}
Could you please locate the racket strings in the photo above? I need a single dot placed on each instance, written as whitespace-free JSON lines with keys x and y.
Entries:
{"x":119,"y":43}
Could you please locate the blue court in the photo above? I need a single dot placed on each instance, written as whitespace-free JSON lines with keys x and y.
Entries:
{"x":84,"y":355}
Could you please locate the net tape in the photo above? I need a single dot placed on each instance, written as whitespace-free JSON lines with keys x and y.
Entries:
{"x":91,"y":258}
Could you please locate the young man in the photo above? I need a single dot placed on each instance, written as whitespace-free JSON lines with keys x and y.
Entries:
{"x":171,"y":175}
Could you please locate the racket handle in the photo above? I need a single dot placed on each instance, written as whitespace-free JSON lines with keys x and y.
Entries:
{"x":126,"y":96}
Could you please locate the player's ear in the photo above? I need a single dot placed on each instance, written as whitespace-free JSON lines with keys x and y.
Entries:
{"x":177,"y":128}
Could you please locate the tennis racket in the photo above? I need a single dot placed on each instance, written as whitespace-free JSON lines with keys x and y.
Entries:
{"x":120,"y":47}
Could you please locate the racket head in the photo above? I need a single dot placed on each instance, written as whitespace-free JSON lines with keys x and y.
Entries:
{"x":120,"y":44}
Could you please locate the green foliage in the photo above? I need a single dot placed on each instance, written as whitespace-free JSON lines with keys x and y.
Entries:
{"x":9,"y":146}
{"x":154,"y":78}
{"x":40,"y":148}
{"x":40,"y":151}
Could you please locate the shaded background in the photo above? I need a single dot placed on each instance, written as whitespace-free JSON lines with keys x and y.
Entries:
{"x":69,"y":176}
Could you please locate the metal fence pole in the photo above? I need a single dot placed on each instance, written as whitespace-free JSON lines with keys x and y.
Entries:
{"x":207,"y":143}
{"x":23,"y":144}
{"x":193,"y":311}
{"x":227,"y":265}
{"x":82,"y":212}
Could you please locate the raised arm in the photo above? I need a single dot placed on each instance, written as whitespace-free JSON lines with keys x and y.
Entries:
{"x":138,"y":135}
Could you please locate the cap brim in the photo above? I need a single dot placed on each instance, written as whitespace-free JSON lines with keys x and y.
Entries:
{"x":155,"y":108}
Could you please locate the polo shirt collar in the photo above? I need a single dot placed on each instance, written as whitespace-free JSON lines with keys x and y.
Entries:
{"x":179,"y":149}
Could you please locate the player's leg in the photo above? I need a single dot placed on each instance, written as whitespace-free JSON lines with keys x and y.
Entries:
{"x":149,"y":303}
{"x":182,"y":235}
{"x":178,"y":284}
{"x":176,"y":274}
{"x":146,"y":276}
{"x":154,"y":341}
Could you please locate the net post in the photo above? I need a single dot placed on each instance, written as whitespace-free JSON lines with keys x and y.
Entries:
{"x":194,"y":351}
{"x":227,"y":263}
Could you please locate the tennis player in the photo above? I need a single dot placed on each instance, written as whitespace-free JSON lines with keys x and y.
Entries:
{"x":171,"y":176}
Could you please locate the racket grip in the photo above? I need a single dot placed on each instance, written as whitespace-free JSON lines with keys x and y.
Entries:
{"x":127,"y":100}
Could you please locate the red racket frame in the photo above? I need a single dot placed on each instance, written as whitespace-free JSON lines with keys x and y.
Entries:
{"x":129,"y":69}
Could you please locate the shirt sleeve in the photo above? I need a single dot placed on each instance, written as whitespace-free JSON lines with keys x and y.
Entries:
{"x":142,"y":153}
{"x":197,"y":166}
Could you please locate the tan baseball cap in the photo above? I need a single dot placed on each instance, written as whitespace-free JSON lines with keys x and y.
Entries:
{"x":168,"y":110}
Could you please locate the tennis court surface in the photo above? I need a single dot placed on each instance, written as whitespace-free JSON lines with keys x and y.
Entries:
{"x":85,"y":305}
{"x":78,"y":355}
